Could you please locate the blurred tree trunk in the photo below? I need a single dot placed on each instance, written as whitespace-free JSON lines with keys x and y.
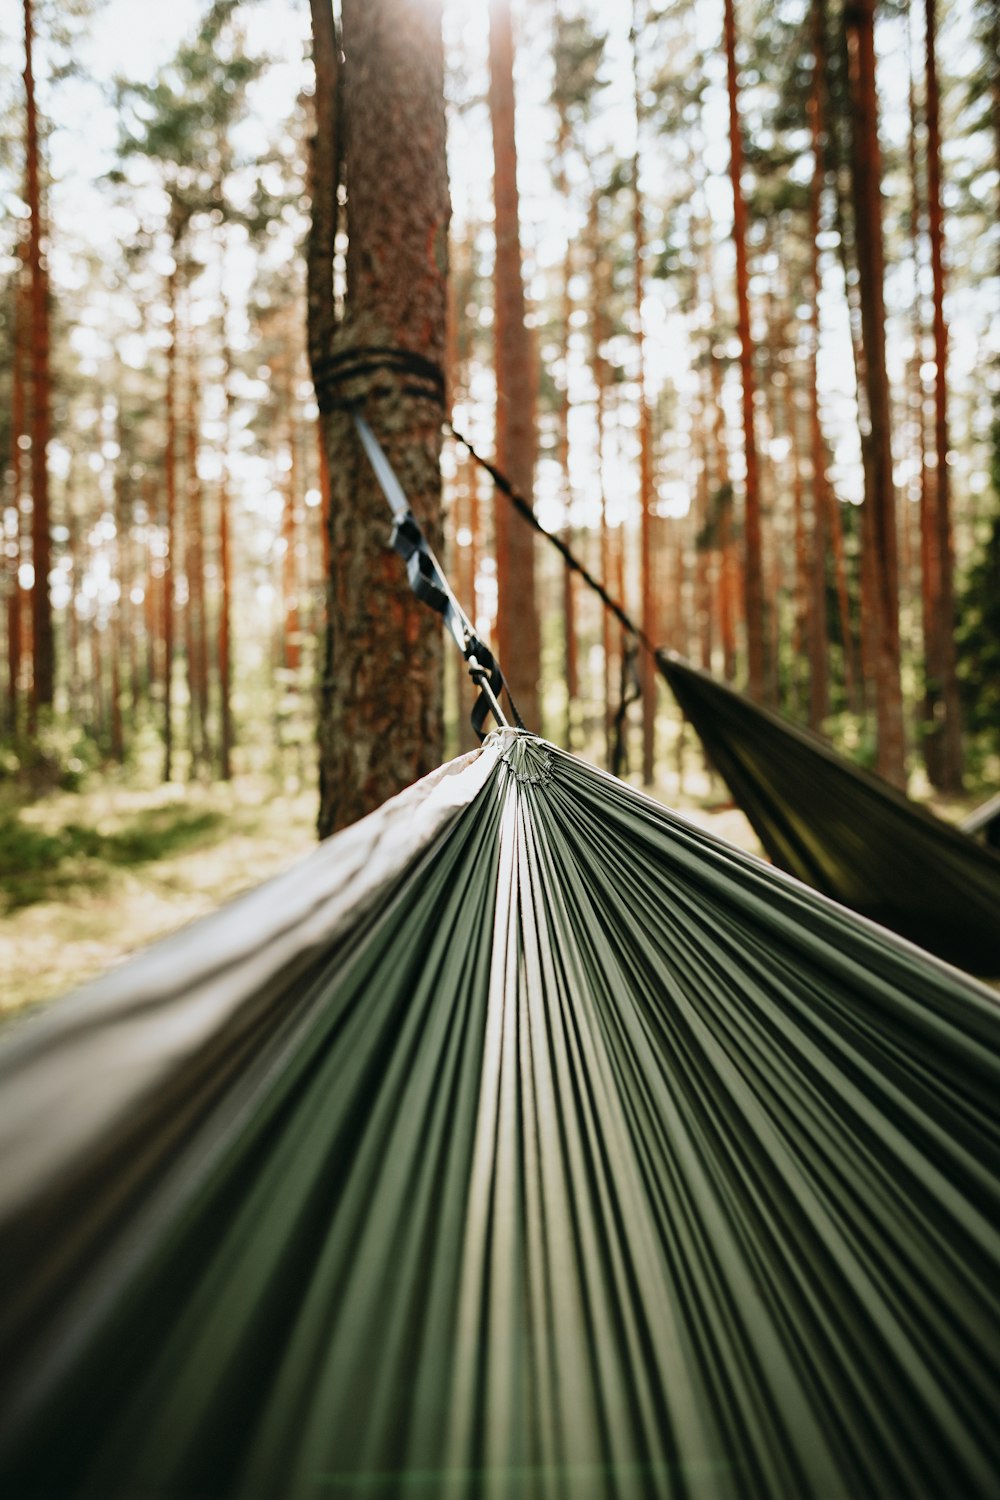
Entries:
{"x":802,"y":596}
{"x":118,"y":621}
{"x":15,"y":635}
{"x":73,"y":680}
{"x":518,"y":629}
{"x":647,"y":545}
{"x":882,"y":598}
{"x":728,"y":577}
{"x":597,"y":265}
{"x":291,"y":654}
{"x":930,"y":743}
{"x":570,"y":654}
{"x":753,"y":562}
{"x":194,"y":566}
{"x":43,"y":645}
{"x":819,"y":680}
{"x":151,"y":589}
{"x":381,"y":713}
{"x":225,"y":558}
{"x":170,"y":492}
{"x":466,"y":501}
{"x":947,"y":717}
{"x":703,"y":541}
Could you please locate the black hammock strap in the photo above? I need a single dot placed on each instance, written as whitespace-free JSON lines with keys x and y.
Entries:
{"x":524,"y":508}
{"x":429,"y":584}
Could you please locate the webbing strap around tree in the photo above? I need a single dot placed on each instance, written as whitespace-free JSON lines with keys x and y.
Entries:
{"x":429,"y":584}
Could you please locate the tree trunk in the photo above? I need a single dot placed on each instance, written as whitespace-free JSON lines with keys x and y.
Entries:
{"x":728,"y":570}
{"x":170,"y":492}
{"x":753,"y":562}
{"x":381,"y":714}
{"x":647,"y":562}
{"x":704,"y":542}
{"x":598,"y":270}
{"x":194,"y":567}
{"x":291,"y":654}
{"x":518,"y":633}
{"x":570,"y":656}
{"x":15,"y":635}
{"x":880,"y":500}
{"x":931,"y":743}
{"x":225,"y":557}
{"x":43,"y":645}
{"x":949,"y":724}
{"x":819,"y":682}
{"x":117,"y":623}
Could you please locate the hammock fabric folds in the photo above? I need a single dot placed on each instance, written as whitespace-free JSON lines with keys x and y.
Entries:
{"x":984,"y":823}
{"x":845,"y":831}
{"x":525,"y":1141}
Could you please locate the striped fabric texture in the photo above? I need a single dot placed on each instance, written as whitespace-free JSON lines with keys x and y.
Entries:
{"x":586,"y":1157}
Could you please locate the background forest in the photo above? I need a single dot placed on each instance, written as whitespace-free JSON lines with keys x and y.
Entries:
{"x":711,"y":213}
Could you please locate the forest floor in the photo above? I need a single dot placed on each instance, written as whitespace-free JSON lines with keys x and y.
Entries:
{"x":88,"y":877}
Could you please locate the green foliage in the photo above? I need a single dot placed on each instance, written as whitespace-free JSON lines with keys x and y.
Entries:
{"x":578,"y":53}
{"x":36,"y":865}
{"x":181,"y":120}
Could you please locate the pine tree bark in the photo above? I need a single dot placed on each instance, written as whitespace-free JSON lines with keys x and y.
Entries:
{"x":949,"y":727}
{"x":880,"y":500}
{"x":43,"y":644}
{"x":753,"y":560}
{"x":381,"y":710}
{"x":518,"y":631}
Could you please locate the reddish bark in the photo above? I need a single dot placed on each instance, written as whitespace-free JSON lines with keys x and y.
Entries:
{"x":518,"y":633}
{"x":882,"y":572}
{"x":381,"y":716}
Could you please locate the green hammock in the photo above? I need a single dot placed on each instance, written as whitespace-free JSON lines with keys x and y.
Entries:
{"x":845,"y":831}
{"x":523,"y":1141}
{"x":984,"y":823}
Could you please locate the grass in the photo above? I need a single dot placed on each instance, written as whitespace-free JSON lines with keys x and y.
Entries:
{"x":36,"y":865}
{"x":88,"y":877}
